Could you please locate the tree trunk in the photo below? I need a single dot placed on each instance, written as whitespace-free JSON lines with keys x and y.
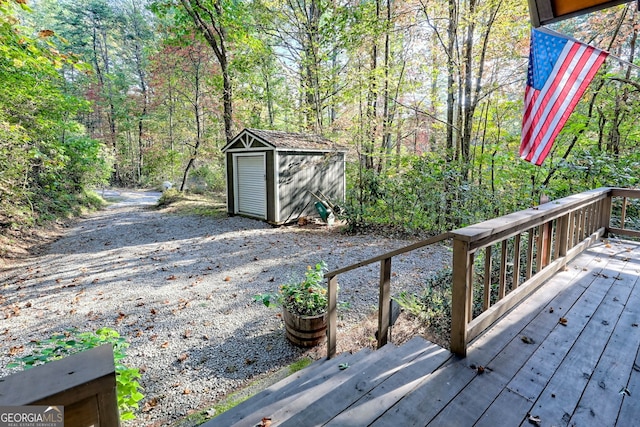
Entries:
{"x":208,"y":22}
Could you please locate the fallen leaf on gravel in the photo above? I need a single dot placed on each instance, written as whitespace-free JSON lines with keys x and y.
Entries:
{"x":150,"y":404}
{"x":140,"y":304}
{"x":153,"y":311}
{"x":172,"y":277}
{"x":186,"y":391}
{"x":227,"y":279}
{"x":183,"y":357}
{"x":165,"y":344}
{"x":186,"y":333}
{"x":16,"y":350}
{"x":121,"y":317}
{"x":153,"y":337}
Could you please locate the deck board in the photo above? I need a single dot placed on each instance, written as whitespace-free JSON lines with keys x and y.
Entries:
{"x":601,"y":400}
{"x":586,"y":372}
{"x":563,"y":390}
{"x":473,"y":401}
{"x":530,"y":379}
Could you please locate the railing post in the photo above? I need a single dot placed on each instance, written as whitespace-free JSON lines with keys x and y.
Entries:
{"x":623,"y":212}
{"x":384,"y":301}
{"x":332,"y":319}
{"x":516,"y":261}
{"x":486,"y":301}
{"x":462,"y":295}
{"x":502,"y":284}
{"x":605,"y":213}
{"x":562,"y":239}
{"x":545,"y":245}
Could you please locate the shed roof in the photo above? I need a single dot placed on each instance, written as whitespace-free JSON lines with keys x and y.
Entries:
{"x":290,"y":140}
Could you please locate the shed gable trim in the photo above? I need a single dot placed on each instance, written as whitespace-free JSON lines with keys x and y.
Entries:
{"x":246,"y":141}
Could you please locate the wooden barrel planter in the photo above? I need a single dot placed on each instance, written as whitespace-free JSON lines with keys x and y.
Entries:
{"x":305,"y":331}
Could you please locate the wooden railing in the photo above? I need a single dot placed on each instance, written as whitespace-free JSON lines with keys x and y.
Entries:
{"x":384,"y":298}
{"x":534,"y":244}
{"x":529,"y":246}
{"x":83,"y":383}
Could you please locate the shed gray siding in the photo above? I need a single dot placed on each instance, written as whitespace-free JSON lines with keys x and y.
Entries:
{"x":300,"y":173}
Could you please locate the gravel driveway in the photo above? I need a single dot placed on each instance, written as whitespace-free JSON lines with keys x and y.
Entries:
{"x":180,"y":289}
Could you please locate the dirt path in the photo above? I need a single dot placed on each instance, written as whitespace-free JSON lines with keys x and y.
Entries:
{"x":180,"y":289}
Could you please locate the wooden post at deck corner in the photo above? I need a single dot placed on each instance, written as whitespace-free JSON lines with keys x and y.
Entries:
{"x":461,"y":295}
{"x":605,"y":213}
{"x":332,"y":320}
{"x":384,"y":300}
{"x":84,"y":383}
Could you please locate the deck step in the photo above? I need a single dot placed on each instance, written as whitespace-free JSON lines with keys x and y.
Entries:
{"x":287,"y":389}
{"x":338,"y":394}
{"x":315,"y":395}
{"x":411,"y":374}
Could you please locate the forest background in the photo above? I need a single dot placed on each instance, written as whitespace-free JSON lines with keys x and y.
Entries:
{"x":427,"y":96}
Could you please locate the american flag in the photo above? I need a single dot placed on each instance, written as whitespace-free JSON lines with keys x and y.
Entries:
{"x":560,"y":70}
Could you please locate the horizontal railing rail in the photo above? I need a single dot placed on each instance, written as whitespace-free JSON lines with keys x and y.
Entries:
{"x":384,"y":298}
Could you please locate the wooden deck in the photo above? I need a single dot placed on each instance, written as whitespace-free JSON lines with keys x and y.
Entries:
{"x":567,"y":355}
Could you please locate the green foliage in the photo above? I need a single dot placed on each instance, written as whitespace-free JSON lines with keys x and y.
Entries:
{"x":169,"y":196}
{"x":427,"y":195}
{"x":46,"y":159}
{"x":72,"y":341}
{"x":306,"y":297}
{"x":433,"y":304}
{"x":210,"y":177}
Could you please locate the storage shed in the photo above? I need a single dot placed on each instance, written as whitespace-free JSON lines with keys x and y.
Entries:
{"x":271,"y":174}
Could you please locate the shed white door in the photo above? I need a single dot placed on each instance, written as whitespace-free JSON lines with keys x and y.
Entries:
{"x":251,"y":185}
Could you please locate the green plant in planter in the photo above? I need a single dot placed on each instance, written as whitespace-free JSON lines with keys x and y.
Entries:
{"x":306,"y":297}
